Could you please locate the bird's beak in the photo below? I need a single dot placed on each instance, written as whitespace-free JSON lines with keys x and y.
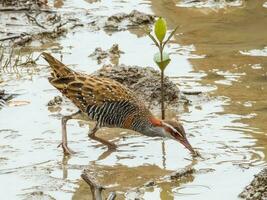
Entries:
{"x":187,"y":145}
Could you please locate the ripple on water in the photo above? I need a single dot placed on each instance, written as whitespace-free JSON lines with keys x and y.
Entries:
{"x":255,"y":52}
{"x":213,"y":4}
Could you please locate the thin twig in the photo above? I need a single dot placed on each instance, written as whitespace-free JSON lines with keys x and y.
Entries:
{"x":10,"y":37}
{"x":25,"y":9}
{"x":96,"y":189}
{"x":35,"y":20}
{"x":1,"y":54}
{"x":111,"y":196}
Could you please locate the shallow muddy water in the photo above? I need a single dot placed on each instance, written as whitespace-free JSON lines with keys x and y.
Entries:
{"x":221,"y":52}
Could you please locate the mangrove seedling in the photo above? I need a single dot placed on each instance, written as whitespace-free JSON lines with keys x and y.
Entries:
{"x":161,"y":58}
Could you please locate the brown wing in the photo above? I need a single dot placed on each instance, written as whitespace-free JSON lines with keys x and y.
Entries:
{"x":85,"y":90}
{"x":59,"y":69}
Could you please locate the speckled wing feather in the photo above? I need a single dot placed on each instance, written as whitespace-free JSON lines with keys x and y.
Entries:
{"x":104,"y":100}
{"x":85,"y":90}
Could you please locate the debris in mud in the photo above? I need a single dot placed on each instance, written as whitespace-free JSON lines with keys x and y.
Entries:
{"x":11,"y":59}
{"x":57,"y":100}
{"x":34,"y":22}
{"x":113,"y":53}
{"x":4,"y":97}
{"x":23,"y":3}
{"x":121,"y":21}
{"x":257,"y":189}
{"x":7,"y":99}
{"x":150,"y":183}
{"x":217,"y":4}
{"x":145,"y":81}
{"x":38,"y":195}
{"x":182,"y":173}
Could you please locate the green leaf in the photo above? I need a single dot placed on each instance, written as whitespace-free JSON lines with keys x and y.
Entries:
{"x":162,"y":63}
{"x":170,"y":36}
{"x":160,"y":29}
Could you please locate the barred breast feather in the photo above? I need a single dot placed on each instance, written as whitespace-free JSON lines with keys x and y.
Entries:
{"x":104,"y":100}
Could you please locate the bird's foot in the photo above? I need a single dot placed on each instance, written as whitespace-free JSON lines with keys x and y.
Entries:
{"x":67,"y":151}
{"x":112,"y":146}
{"x":196,"y":154}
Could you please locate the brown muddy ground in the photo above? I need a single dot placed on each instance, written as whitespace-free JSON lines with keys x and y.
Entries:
{"x":219,"y":51}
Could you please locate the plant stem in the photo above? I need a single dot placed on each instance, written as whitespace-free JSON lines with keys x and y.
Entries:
{"x":162,"y":84}
{"x":162,"y":95}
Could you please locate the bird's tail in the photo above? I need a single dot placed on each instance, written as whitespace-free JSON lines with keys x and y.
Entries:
{"x":59,"y":69}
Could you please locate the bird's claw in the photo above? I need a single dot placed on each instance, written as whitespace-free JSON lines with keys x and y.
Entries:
{"x":66,"y":149}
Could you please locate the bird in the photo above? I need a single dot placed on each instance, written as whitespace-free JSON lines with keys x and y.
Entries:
{"x":110,"y":104}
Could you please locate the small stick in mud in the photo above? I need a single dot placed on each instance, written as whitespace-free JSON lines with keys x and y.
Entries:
{"x":96,"y":189}
{"x":8,"y":9}
{"x":35,"y":20}
{"x":10,"y":37}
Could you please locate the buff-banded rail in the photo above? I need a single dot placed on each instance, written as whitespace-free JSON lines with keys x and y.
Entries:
{"x":110,"y":104}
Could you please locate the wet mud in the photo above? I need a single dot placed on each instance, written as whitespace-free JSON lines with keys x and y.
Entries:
{"x":113,"y":54}
{"x":27,"y":21}
{"x":257,"y":189}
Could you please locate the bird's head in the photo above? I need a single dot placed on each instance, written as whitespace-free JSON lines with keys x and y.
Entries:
{"x":171,"y":129}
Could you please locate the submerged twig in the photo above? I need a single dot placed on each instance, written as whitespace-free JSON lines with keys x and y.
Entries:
{"x":96,"y":189}
{"x":111,"y":196}
{"x":12,"y":60}
{"x":10,"y":37}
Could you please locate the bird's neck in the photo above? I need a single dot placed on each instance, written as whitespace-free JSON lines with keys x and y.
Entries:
{"x":155,"y":121}
{"x":149,"y":127}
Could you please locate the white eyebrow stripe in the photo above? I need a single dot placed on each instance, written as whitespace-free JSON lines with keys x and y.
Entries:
{"x":171,"y":127}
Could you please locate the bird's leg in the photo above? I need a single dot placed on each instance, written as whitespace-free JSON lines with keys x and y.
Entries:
{"x":64,"y":143}
{"x":94,"y":130}
{"x":92,"y":135}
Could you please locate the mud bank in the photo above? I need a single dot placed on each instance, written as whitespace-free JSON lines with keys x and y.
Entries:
{"x":113,"y":54}
{"x":134,"y":18}
{"x":257,"y":189}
